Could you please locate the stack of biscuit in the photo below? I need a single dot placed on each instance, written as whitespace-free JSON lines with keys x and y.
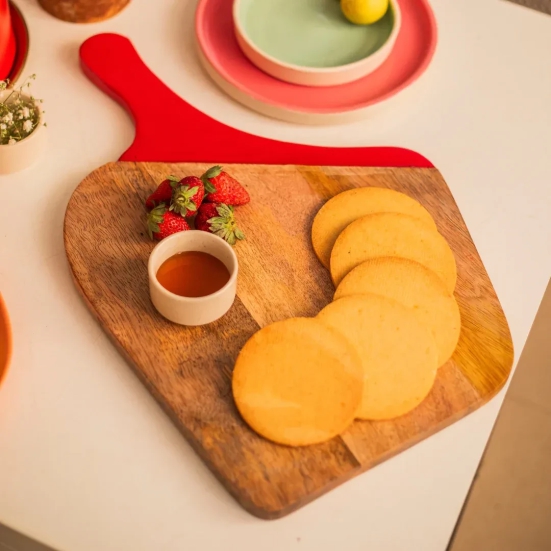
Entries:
{"x":374,"y":352}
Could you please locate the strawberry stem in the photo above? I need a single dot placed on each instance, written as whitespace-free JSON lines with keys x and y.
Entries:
{"x":182,"y":200}
{"x":212,"y":172}
{"x":225,"y":226}
{"x":155,"y":218}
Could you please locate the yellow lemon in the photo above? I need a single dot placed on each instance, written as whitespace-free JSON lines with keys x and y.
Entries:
{"x":364,"y":12}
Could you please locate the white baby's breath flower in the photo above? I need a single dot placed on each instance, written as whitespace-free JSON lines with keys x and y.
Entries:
{"x":19,"y":114}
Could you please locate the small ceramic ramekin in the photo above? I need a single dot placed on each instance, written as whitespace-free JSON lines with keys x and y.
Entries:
{"x":315,"y":76}
{"x":189,"y":310}
{"x":23,"y":154}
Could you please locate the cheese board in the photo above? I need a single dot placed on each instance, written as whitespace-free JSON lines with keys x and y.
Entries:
{"x":189,"y":369}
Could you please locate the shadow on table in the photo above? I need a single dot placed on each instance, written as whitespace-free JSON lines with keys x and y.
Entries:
{"x":539,"y":5}
{"x":10,"y":540}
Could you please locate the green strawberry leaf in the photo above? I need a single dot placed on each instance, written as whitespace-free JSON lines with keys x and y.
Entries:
{"x":209,"y":188}
{"x":212,"y":172}
{"x":155,"y":219}
{"x":230,"y":238}
{"x":173,"y":181}
{"x":182,"y":200}
{"x":224,"y":225}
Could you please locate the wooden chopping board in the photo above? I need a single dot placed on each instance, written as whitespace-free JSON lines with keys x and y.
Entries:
{"x":188,"y":370}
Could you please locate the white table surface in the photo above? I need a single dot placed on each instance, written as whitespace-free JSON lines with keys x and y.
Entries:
{"x":88,"y":461}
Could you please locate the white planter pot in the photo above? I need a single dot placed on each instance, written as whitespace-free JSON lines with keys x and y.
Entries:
{"x":23,"y":154}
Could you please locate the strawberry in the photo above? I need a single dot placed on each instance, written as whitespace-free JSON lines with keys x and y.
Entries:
{"x":225,"y":190}
{"x":163,"y":194}
{"x":187,"y":196}
{"x":220,"y":220}
{"x":161,"y":223}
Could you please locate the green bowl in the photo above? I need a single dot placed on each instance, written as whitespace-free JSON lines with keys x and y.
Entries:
{"x":310,"y":41}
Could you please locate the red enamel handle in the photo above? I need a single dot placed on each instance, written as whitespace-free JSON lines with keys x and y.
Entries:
{"x":112,"y":63}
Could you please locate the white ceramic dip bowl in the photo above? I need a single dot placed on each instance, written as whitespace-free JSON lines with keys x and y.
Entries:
{"x":190,"y":310}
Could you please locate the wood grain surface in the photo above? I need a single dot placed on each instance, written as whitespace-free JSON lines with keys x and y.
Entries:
{"x":188,"y":370}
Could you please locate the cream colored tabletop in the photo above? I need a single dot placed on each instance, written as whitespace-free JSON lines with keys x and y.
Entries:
{"x":88,"y":461}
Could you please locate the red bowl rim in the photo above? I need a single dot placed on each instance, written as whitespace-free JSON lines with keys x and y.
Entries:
{"x":21,"y":32}
{"x":6,"y":334}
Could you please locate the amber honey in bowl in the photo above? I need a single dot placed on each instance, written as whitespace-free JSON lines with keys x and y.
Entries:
{"x":193,"y":274}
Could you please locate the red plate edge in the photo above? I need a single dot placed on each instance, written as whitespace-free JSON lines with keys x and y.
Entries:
{"x":6,"y":335}
{"x":22,"y":42}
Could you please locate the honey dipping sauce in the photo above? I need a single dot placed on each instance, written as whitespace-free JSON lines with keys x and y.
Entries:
{"x":193,"y":274}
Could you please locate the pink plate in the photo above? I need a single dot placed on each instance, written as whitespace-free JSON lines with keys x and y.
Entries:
{"x":237,"y":76}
